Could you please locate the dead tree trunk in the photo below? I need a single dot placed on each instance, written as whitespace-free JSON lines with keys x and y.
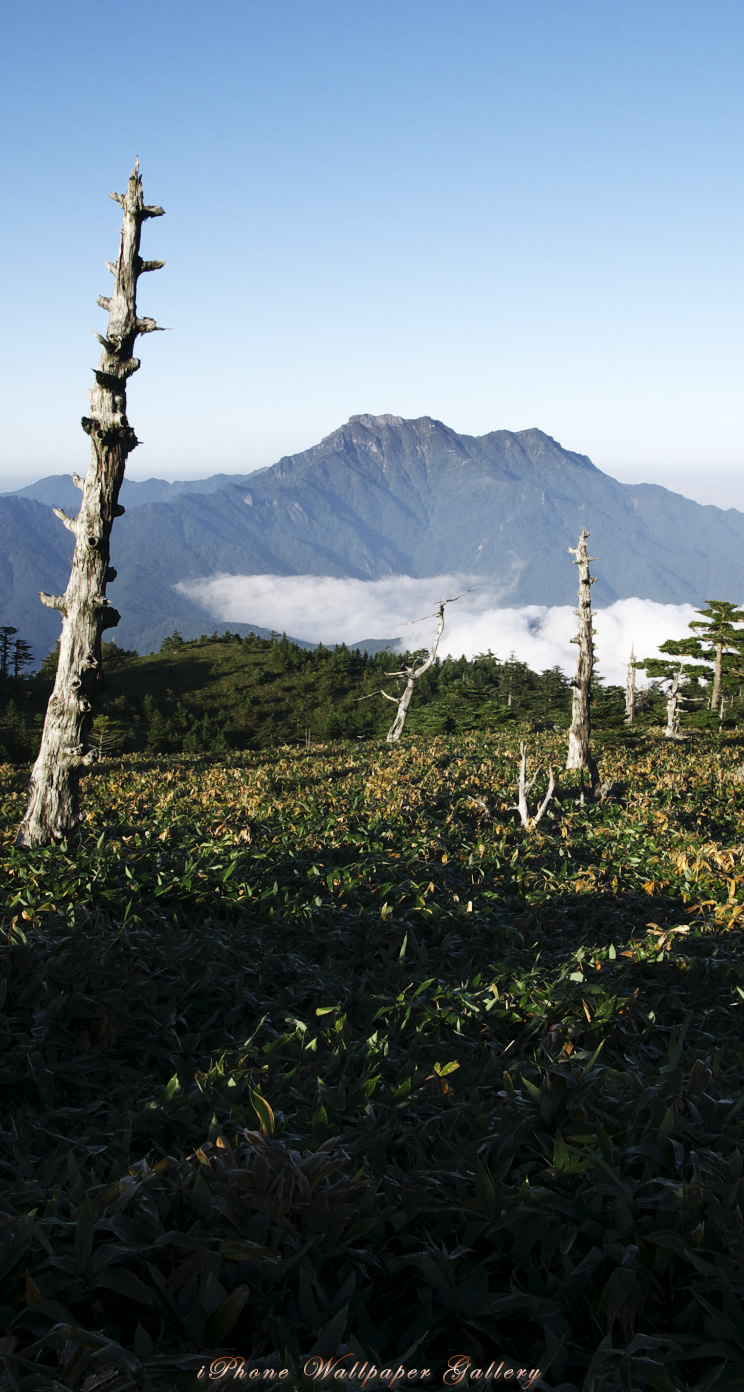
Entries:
{"x":579,"y":753}
{"x":715,"y":695}
{"x":412,"y":675}
{"x":630,"y":690}
{"x":674,"y":701}
{"x":522,"y":806}
{"x":53,"y":807}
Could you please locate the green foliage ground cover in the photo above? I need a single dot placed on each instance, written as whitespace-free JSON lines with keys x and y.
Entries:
{"x":278,"y":1027}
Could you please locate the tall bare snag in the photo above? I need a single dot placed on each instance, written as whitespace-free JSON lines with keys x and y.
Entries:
{"x":630,"y":689}
{"x":53,"y":803}
{"x":411,"y":674}
{"x":674,"y":700}
{"x":579,"y":753}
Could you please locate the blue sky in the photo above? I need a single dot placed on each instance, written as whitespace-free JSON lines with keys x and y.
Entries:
{"x":501,"y":213}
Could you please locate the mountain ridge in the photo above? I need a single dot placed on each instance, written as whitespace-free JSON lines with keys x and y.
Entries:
{"x":381,"y":496}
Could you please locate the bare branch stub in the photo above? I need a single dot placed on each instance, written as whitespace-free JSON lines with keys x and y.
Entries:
{"x":370,"y":694}
{"x":53,"y":804}
{"x":406,"y":623}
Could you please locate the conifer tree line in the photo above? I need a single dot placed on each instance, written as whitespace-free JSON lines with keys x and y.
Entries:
{"x":223,"y":692}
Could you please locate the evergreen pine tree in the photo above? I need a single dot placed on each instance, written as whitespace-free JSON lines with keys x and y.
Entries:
{"x":718,"y":635}
{"x":6,"y":633}
{"x":21,"y":655}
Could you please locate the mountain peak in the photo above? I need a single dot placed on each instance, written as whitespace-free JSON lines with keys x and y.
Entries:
{"x":377,"y":420}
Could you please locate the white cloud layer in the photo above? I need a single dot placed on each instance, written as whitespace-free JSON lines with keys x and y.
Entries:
{"x":325,"y":609}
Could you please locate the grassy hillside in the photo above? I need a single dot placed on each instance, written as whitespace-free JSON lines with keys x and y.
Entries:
{"x":308,"y":1052}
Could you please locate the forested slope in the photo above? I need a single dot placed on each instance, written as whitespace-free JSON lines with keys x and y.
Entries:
{"x":227,"y":692}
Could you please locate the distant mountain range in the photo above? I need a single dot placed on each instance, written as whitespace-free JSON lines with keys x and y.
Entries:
{"x":380,"y":496}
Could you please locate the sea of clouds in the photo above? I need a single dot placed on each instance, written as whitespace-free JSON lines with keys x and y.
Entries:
{"x":325,"y":609}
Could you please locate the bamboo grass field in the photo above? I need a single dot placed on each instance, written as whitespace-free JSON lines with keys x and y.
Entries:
{"x":315,"y":1051}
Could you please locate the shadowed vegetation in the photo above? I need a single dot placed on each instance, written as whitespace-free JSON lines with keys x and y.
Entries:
{"x":276,"y":1026}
